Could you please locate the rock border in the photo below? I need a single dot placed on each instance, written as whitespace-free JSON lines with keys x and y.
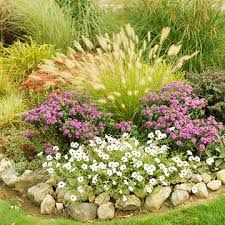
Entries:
{"x":36,"y":186}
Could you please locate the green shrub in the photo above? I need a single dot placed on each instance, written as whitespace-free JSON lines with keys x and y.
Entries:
{"x":86,"y":17}
{"x":198,"y":24}
{"x":211,"y":86}
{"x":117,"y":77}
{"x":20,"y":59}
{"x":44,"y":21}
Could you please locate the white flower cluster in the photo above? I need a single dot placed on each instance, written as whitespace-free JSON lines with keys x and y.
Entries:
{"x":119,"y":165}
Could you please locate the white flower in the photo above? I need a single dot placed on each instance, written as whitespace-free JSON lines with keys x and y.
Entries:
{"x":55,"y":148}
{"x":125,"y":182}
{"x":210,"y":161}
{"x":139,"y":178}
{"x":40,"y":154}
{"x":183,"y":173}
{"x":161,"y":178}
{"x":120,"y":191}
{"x":197,"y":159}
{"x":80,"y":189}
{"x":130,"y":188}
{"x":194,"y":190}
{"x":80,"y":179}
{"x":49,"y":164}
{"x":123,"y":167}
{"x":151,"y":135}
{"x":61,"y":184}
{"x":127,"y":155}
{"x":157,"y":160}
{"x":50,"y":170}
{"x":84,"y":166}
{"x":148,"y":189}
{"x":124,"y":159}
{"x":58,"y":165}
{"x":73,"y":198}
{"x":57,"y":156}
{"x":114,"y":182}
{"x":66,"y":157}
{"x":45,"y":164}
{"x":49,"y":157}
{"x":109,"y":172}
{"x":125,"y":135}
{"x":105,"y":157}
{"x":134,"y":175}
{"x":152,"y":181}
{"x":74,"y":145}
{"x":119,"y":174}
{"x":191,"y":158}
{"x":189,"y":152}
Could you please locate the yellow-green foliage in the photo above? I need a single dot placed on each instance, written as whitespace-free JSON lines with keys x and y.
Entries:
{"x":20,"y":59}
{"x":117,"y":76}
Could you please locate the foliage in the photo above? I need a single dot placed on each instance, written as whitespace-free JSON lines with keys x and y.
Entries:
{"x":11,"y":108}
{"x":67,"y":117}
{"x":20,"y":59}
{"x":44,"y":21}
{"x":86,"y":17}
{"x":179,"y":112}
{"x":117,"y":77}
{"x":120,"y":166}
{"x":199,"y":25}
{"x":211,"y":86}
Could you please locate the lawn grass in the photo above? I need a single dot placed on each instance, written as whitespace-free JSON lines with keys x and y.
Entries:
{"x":211,"y":213}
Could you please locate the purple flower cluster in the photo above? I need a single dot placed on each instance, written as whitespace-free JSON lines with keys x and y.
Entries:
{"x":70,"y":114}
{"x":175,"y":111}
{"x":28,"y":134}
{"x":124,"y":126}
{"x":49,"y":149}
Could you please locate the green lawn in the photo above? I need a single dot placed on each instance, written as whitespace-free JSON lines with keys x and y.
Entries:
{"x":212,"y":213}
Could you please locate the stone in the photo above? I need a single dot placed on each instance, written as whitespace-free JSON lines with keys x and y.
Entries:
{"x":4,"y":164}
{"x":106,"y":211}
{"x":38,"y":192}
{"x":59,"y":206}
{"x":9,"y":176}
{"x":48,"y":205}
{"x":82,"y":197}
{"x":196,"y":178}
{"x":214,"y":185}
{"x":221,"y":176}
{"x":155,"y":200}
{"x":82,"y":211}
{"x":185,"y":187}
{"x":179,"y":197}
{"x":206,"y":178}
{"x":30,"y":178}
{"x":102,"y":199}
{"x":91,"y":198}
{"x":128,"y":202}
{"x":201,"y":190}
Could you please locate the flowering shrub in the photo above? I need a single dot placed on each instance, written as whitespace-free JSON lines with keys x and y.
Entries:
{"x":120,"y":166}
{"x":178,"y":112}
{"x":68,"y":116}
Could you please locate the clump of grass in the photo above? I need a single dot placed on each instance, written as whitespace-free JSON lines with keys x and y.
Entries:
{"x":20,"y":59}
{"x":117,"y":76}
{"x":44,"y":21}
{"x":197,"y":24}
{"x":86,"y":16}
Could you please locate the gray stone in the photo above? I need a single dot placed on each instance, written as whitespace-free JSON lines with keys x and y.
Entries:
{"x":102,"y":199}
{"x":128,"y":202}
{"x":214,"y":185}
{"x":179,"y":197}
{"x":59,"y":206}
{"x":82,"y":211}
{"x":9,"y":176}
{"x":185,"y":187}
{"x":196,"y":178}
{"x":48,"y":205}
{"x":4,"y":164}
{"x":106,"y":211}
{"x":202,"y":191}
{"x":206,"y":178}
{"x":155,"y":200}
{"x":29,"y":179}
{"x":221,"y":176}
{"x":38,"y":192}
